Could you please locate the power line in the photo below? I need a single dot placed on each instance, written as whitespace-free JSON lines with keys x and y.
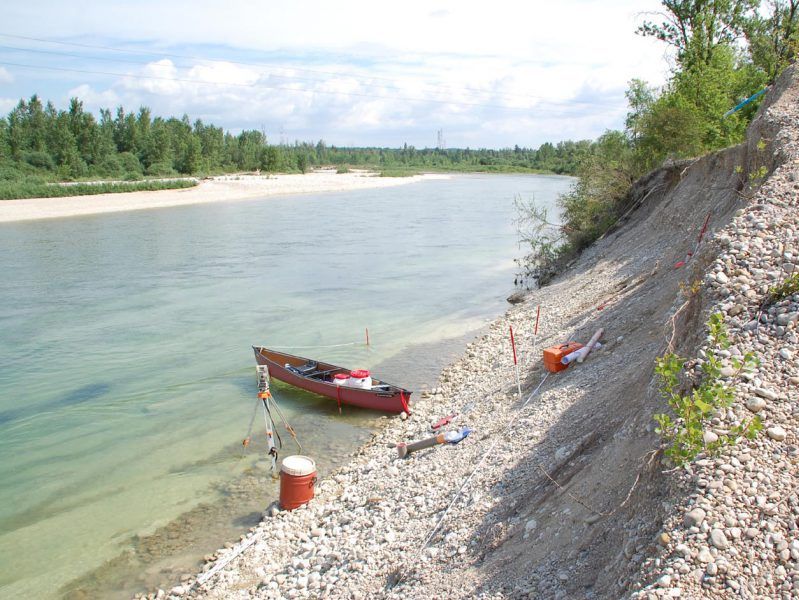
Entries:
{"x":266,"y":65}
{"x":265,"y":86}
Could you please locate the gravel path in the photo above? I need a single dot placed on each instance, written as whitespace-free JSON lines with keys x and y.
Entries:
{"x":566,"y":498}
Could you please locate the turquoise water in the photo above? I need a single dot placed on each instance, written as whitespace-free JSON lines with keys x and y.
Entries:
{"x":127,"y":378}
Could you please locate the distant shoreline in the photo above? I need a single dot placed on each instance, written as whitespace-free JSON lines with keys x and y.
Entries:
{"x":224,"y":188}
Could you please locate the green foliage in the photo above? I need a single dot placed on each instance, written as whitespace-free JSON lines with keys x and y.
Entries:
{"x":302,"y":163}
{"x":129,"y":163}
{"x":605,"y":177}
{"x":773,"y":39}
{"x":684,"y":431}
{"x":687,"y":118}
{"x":160,"y":169}
{"x":695,"y":28}
{"x":787,"y":288}
{"x":30,"y":189}
{"x":542,"y":237}
{"x":40,"y":160}
{"x":398,"y":172}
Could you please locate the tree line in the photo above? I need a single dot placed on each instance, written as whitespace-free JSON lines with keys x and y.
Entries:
{"x":38,"y":140}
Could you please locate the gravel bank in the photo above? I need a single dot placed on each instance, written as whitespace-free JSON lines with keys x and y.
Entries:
{"x":734,"y":529}
{"x":571,"y":501}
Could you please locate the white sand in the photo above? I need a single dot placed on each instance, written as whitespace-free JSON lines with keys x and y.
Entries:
{"x":219,"y":189}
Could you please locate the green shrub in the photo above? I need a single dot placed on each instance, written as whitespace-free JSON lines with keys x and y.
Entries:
{"x":28,"y":189}
{"x":787,"y":288}
{"x":161,"y":169}
{"x":110,"y":166}
{"x":684,"y":435}
{"x":129,"y":163}
{"x":40,"y":160}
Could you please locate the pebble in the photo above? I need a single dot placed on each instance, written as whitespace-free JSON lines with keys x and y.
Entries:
{"x":664,"y":581}
{"x":718,"y":539}
{"x":755,"y":404}
{"x":776,"y":433}
{"x":767,"y":394}
{"x":704,"y":555}
{"x":693,"y":518}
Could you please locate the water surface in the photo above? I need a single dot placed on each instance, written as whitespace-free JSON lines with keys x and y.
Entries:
{"x":127,"y":378}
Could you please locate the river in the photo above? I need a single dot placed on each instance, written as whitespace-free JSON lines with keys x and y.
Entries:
{"x":127,"y":375}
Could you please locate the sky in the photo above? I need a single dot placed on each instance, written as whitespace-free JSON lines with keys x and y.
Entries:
{"x":351,"y":73}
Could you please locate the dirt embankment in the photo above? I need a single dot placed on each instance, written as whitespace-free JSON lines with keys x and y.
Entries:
{"x":564,"y":498}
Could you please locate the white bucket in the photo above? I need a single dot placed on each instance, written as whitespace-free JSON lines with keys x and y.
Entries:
{"x":360,"y":379}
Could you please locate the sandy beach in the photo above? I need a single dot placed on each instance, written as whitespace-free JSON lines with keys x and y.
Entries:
{"x":225,"y":188}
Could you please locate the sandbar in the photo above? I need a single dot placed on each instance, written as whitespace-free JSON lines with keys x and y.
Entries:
{"x":226,"y":188}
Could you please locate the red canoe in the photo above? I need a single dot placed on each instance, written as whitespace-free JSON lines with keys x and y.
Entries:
{"x":318,"y":377}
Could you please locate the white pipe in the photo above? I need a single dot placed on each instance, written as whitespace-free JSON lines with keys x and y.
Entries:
{"x":591,"y":344}
{"x":577,"y":354}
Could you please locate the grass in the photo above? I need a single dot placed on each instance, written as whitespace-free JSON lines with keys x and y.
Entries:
{"x":17,"y":190}
{"x":399,"y":172}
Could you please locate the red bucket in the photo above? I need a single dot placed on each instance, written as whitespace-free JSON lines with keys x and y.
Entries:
{"x":297,"y":478}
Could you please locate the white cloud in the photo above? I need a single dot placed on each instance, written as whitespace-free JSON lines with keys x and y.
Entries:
{"x":534,"y":71}
{"x":5,"y":76}
{"x":92,"y":99}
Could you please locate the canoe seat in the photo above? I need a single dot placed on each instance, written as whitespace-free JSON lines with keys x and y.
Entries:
{"x":305,"y":370}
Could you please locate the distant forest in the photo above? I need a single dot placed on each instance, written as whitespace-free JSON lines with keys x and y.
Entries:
{"x":40,"y":142}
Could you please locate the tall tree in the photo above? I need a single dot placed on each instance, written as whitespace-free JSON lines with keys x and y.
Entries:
{"x":696,"y":27}
{"x":774,"y":38}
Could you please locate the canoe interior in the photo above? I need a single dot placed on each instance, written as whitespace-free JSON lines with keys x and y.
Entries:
{"x":324,"y":372}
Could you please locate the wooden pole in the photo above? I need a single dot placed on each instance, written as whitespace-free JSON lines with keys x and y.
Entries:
{"x":367,"y":336}
{"x":535,"y":331}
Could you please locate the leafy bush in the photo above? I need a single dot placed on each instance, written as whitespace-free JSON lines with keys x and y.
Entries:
{"x":40,"y":160}
{"x":787,"y":288}
{"x":19,"y":189}
{"x":129,"y":163}
{"x":109,"y":166}
{"x":398,"y":172}
{"x":160,"y":169}
{"x":684,"y":435}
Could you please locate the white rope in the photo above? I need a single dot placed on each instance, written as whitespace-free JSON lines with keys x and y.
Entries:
{"x":471,"y":475}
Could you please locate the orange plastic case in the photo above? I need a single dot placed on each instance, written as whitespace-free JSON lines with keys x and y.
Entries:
{"x":554,"y":354}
